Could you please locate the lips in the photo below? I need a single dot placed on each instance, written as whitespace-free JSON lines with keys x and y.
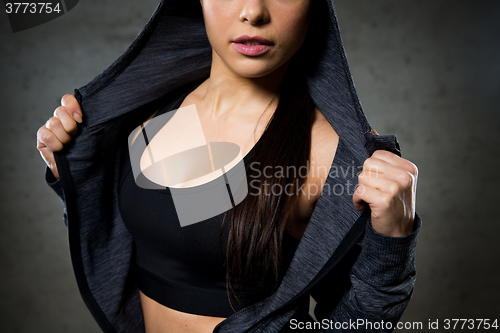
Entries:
{"x":255,"y":39}
{"x":252,"y":45}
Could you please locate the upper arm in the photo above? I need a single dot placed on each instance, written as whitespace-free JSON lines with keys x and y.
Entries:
{"x":324,"y":141}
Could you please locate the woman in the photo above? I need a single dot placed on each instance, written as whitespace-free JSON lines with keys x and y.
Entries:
{"x":278,"y":86}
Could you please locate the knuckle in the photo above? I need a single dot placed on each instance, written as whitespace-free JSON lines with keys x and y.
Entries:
{"x":47,"y":138}
{"x":67,"y":98}
{"x":367,"y":164}
{"x":405,"y":178}
{"x":39,"y":132}
{"x":52,"y":123}
{"x":382,"y":154}
{"x":378,"y":153}
{"x":362,"y":179}
{"x":372,"y":168}
{"x":394,"y":189}
{"x":414,"y":169}
{"x":409,"y":166}
{"x":360,"y":190}
{"x":58,"y":112}
{"x":409,"y":179}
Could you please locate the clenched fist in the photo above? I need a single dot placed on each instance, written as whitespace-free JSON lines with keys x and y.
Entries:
{"x":388,"y":185}
{"x":58,"y":130}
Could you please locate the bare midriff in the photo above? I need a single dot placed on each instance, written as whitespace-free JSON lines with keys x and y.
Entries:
{"x":162,"y":319}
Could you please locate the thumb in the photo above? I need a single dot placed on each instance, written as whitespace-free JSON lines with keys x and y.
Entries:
{"x":358,"y":198}
{"x":48,"y":157}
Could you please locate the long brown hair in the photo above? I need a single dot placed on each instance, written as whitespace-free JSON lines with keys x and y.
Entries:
{"x":258,"y":222}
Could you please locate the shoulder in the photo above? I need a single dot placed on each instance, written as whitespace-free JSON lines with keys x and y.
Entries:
{"x":324,"y":142}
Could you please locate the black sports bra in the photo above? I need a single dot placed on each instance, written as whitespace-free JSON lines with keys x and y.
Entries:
{"x":183,"y":268}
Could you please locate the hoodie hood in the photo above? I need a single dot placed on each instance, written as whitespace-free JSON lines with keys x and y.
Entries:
{"x":171,"y":52}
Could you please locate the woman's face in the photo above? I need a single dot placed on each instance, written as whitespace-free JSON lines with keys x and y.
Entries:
{"x":255,"y":37}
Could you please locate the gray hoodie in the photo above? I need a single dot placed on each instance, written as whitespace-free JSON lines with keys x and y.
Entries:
{"x":351,"y":271}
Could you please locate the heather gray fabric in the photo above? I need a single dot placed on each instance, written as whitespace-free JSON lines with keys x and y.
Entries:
{"x":373,"y":279}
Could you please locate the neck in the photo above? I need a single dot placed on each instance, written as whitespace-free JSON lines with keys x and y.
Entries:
{"x":227,"y":93}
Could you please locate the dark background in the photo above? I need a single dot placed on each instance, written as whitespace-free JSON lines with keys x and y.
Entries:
{"x":427,"y":71}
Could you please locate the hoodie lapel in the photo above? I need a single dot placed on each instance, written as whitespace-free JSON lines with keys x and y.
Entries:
{"x":331,"y":221}
{"x":332,"y":218}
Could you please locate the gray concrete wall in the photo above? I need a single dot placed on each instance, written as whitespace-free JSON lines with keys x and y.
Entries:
{"x":427,"y":71}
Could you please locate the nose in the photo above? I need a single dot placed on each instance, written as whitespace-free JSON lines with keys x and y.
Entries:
{"x":254,"y":12}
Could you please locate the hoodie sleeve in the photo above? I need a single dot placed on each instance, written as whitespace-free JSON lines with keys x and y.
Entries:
{"x":381,"y":283}
{"x":55,"y":185}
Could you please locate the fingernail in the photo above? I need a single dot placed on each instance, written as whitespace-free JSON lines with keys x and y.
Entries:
{"x":77,"y":117}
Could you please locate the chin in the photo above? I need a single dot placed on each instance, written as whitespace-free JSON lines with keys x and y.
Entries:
{"x":250,"y":67}
{"x":253,"y":74}
{"x":254,"y":70}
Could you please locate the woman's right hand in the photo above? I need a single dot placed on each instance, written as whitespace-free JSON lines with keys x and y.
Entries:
{"x":58,"y":130}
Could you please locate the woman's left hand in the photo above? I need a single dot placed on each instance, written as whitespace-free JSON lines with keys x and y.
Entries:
{"x":388,"y":185}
